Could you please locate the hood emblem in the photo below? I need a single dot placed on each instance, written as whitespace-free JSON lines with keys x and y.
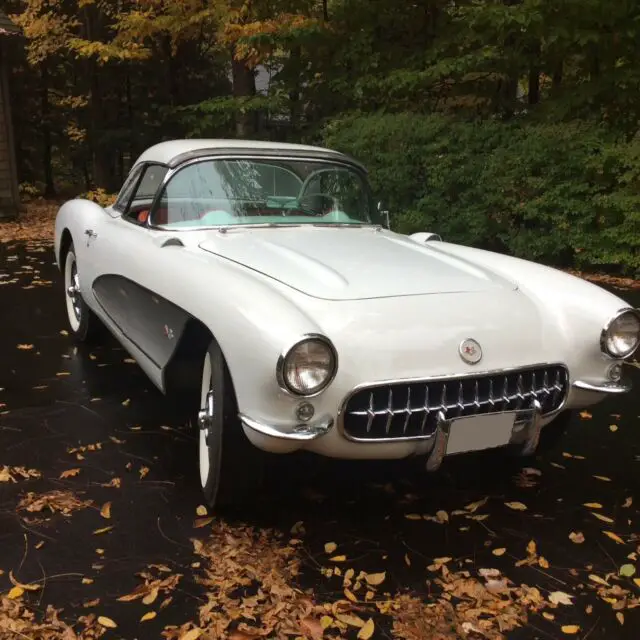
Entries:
{"x":470,"y":351}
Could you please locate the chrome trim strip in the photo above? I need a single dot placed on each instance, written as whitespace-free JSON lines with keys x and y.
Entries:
{"x":607,"y":326}
{"x":440,"y":378}
{"x":303,"y":432}
{"x":285,"y":352}
{"x":603,"y":387}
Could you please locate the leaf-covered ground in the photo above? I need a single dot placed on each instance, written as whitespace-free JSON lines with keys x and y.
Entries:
{"x":102,"y":531}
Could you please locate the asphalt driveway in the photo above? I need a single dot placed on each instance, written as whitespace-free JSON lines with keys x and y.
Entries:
{"x":99,"y":494}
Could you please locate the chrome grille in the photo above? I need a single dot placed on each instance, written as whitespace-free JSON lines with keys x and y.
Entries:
{"x":403,"y":410}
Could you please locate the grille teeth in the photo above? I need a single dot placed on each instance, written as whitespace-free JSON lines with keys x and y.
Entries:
{"x":410,"y":409}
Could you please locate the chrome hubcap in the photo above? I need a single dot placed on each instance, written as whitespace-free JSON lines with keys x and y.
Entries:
{"x":205,"y":415}
{"x":73,"y":292}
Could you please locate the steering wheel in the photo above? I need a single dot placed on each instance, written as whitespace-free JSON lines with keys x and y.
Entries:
{"x":320,"y":204}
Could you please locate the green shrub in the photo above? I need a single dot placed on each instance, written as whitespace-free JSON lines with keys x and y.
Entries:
{"x":566,"y":194}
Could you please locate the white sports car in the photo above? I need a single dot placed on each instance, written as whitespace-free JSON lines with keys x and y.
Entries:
{"x":263,"y":278}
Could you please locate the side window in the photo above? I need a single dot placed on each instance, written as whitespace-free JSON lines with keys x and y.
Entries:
{"x":145,"y":191}
{"x":127,"y":190}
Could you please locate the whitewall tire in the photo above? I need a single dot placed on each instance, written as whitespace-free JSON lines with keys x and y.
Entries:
{"x":82,"y":321}
{"x":230,"y":467}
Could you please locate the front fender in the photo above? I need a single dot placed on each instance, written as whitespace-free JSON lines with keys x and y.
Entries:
{"x":578,"y":309}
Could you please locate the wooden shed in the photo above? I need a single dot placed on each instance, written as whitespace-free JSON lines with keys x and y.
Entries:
{"x":9,"y":196}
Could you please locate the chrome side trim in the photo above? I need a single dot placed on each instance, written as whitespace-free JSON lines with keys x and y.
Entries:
{"x":303,"y":432}
{"x":607,"y":326}
{"x":438,"y":378}
{"x":604,"y":387}
{"x":285,"y":352}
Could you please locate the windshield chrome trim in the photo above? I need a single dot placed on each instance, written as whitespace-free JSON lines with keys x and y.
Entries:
{"x":307,"y":157}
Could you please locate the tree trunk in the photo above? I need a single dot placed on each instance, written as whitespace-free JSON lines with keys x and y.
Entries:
{"x":45,"y":113}
{"x":244,"y":86}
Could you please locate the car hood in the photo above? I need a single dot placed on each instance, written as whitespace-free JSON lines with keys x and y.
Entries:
{"x":339,"y":263}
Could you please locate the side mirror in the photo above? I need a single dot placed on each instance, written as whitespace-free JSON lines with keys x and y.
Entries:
{"x":385,"y":213}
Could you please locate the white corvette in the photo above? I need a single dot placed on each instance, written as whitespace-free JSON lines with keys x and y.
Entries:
{"x":263,"y":278}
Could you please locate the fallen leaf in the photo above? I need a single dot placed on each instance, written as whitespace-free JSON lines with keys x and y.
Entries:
{"x":107,"y":622}
{"x":413,"y":516}
{"x":25,"y":347}
{"x":614,"y":537}
{"x":338,"y":559}
{"x":628,"y":502}
{"x":201,"y":510}
{"x":601,"y":517}
{"x":143,"y":472}
{"x":69,"y":473}
{"x":578,"y":537}
{"x":543,"y":562}
{"x":193,"y":634}
{"x":585,"y":415}
{"x":636,"y":581}
{"x":560,"y":597}
{"x":627,"y":570}
{"x":516,"y":506}
{"x":16,"y":592}
{"x":442,"y":517}
{"x":98,"y":532}
{"x":150,"y":615}
{"x":474,"y":506}
{"x":375,"y":579}
{"x":593,"y":505}
{"x":593,"y":577}
{"x":202,"y":522}
{"x":351,"y":620}
{"x":620,"y":617}
{"x":499,"y":552}
{"x":126,"y":403}
{"x":603,"y":478}
{"x":613,"y":427}
{"x":367,"y":630}
{"x":330,"y":547}
{"x":570,"y":629}
{"x":105,"y":512}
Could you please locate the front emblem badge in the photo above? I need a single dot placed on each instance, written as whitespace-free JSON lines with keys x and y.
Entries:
{"x":470,"y":351}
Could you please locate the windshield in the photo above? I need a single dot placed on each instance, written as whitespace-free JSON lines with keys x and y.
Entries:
{"x":264,"y":191}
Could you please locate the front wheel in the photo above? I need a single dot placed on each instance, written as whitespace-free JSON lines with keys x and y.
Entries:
{"x":84,"y":324}
{"x":231,"y":468}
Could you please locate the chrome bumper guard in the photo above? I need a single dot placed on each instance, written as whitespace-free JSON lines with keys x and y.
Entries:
{"x":302,"y":432}
{"x":526,"y":433}
{"x":622,"y":386}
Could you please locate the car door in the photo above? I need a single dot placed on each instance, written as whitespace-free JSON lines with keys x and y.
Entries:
{"x":127,"y":268}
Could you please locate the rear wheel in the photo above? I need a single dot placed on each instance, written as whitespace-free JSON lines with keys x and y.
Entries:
{"x":84,"y":324}
{"x":231,"y":468}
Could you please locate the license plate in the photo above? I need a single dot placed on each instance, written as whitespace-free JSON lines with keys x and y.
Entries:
{"x":475,"y":433}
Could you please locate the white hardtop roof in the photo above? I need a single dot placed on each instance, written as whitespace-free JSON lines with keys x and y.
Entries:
{"x":165,"y":152}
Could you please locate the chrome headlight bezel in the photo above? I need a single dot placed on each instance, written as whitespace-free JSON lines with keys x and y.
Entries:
{"x":281,"y":366}
{"x":605,"y":335}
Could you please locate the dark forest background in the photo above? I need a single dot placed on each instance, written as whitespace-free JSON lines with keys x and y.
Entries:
{"x":507,"y":124}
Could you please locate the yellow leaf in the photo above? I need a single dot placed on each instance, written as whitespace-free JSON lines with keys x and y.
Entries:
{"x":375,"y":579}
{"x":614,"y":537}
{"x":593,"y":505}
{"x":543,"y":562}
{"x":585,"y":415}
{"x":636,"y":582}
{"x":201,"y":510}
{"x":548,"y":616}
{"x":107,"y":622}
{"x":126,"y":403}
{"x":150,"y":598}
{"x":367,"y":630}
{"x":150,"y":615}
{"x":351,"y":620}
{"x":516,"y":506}
{"x":25,"y":347}
{"x":349,"y":595}
{"x":326,"y":622}
{"x":193,"y":634}
{"x":442,"y":516}
{"x":105,"y":512}
{"x":531,"y":547}
{"x":330,"y":547}
{"x":603,"y":478}
{"x":598,"y":579}
{"x":499,"y":552}
{"x":412,"y":516}
{"x":338,"y":559}
{"x":97,"y":532}
{"x":570,"y":629}
{"x":601,"y":517}
{"x":578,"y":537}
{"x":474,"y":506}
{"x":628,"y":502}
{"x":613,"y":427}
{"x":620,"y":617}
{"x":16,"y":592}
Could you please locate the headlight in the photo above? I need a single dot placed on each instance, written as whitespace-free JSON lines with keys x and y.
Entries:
{"x":621,"y":335}
{"x":307,"y":367}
